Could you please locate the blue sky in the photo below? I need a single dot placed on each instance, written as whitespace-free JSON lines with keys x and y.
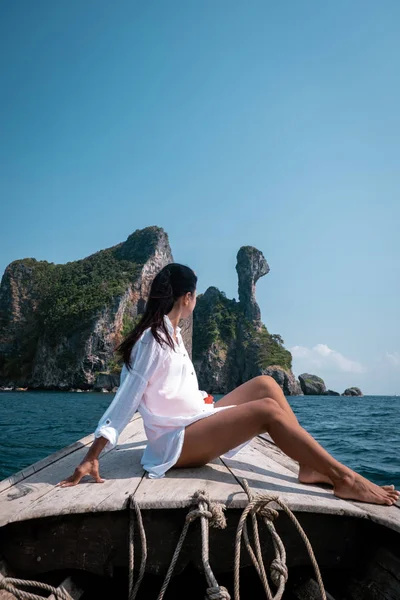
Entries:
{"x":226,"y":123}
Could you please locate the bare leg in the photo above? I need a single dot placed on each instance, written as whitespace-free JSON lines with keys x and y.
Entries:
{"x":211,"y":437}
{"x":266,"y":387}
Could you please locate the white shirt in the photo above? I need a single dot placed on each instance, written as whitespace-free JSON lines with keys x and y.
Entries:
{"x":162,"y":385}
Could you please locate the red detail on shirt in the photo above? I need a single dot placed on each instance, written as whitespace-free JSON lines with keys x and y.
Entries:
{"x":209,"y":399}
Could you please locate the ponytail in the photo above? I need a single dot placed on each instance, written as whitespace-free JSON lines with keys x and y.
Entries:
{"x":172,"y":282}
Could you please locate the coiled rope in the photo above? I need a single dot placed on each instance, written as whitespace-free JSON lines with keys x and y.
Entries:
{"x":12,"y":585}
{"x":278,"y":569}
{"x":211,"y":514}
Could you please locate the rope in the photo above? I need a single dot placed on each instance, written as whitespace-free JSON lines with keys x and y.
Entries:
{"x":279,"y":571}
{"x":210,"y":514}
{"x":133,"y":590}
{"x":11,"y":585}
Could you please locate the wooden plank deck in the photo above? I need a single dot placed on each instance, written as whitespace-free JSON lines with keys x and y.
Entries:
{"x":32,"y":493}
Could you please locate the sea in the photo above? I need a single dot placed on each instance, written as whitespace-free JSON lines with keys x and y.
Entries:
{"x":363,"y":433}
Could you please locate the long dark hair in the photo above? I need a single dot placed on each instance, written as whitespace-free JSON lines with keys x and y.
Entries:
{"x":172,"y":282}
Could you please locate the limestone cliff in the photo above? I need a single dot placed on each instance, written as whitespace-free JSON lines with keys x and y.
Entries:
{"x":59,"y":324}
{"x":250,"y":266}
{"x":230,"y":343}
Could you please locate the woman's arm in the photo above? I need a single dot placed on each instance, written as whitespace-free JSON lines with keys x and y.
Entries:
{"x":145,"y":359}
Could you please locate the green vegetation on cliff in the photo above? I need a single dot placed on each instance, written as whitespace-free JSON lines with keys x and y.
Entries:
{"x":129,"y":323}
{"x":71,"y":295}
{"x":214,"y":321}
{"x":68,"y":298}
{"x":271,"y":350}
{"x":31,"y":277}
{"x":221,"y":321}
{"x":78,"y":290}
{"x":39,"y":299}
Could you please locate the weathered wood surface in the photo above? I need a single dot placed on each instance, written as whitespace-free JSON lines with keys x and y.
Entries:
{"x":265,"y":476}
{"x":41,"y":464}
{"x":38,"y":496}
{"x":32,"y":493}
{"x":179,"y":485}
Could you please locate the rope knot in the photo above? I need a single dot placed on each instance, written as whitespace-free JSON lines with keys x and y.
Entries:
{"x":201,"y":496}
{"x":278,"y":570}
{"x":214,"y":512}
{"x":218,"y":519}
{"x":196,"y":513}
{"x":217,"y":593}
{"x":266,"y":512}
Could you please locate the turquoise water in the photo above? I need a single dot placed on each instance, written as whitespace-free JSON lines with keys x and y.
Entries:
{"x":364,"y":432}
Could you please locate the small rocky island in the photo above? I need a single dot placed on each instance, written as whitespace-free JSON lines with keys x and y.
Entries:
{"x":353,"y":391}
{"x":312,"y":385}
{"x":59,"y":324}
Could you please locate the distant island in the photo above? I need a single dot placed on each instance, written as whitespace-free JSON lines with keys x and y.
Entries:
{"x":59,"y":324}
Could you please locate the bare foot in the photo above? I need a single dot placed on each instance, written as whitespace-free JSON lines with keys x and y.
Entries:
{"x":307,"y":475}
{"x":355,"y":487}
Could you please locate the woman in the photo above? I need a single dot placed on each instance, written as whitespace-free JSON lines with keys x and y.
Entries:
{"x":183,"y":430}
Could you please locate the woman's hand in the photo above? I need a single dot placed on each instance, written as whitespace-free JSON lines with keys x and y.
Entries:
{"x":87,"y":467}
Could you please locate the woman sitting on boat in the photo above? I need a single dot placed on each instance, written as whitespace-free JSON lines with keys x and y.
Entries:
{"x":183,"y":427}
